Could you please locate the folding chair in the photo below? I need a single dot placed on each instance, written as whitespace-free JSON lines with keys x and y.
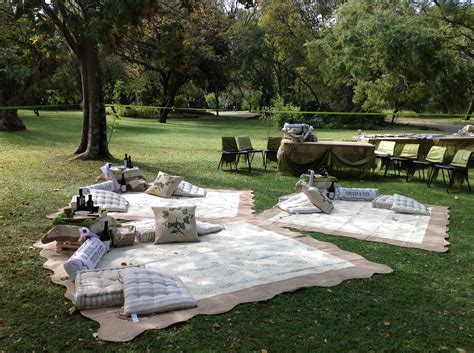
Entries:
{"x":245,"y":145}
{"x":457,"y":170}
{"x":273,"y":144}
{"x":384,"y":152}
{"x":435,"y":155}
{"x":230,"y":153}
{"x":407,"y":156}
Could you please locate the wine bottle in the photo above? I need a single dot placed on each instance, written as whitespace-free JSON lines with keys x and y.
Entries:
{"x":81,"y":201}
{"x":90,"y":204}
{"x":125,"y":161}
{"x":130,"y":165}
{"x":331,"y":191}
{"x":105,"y":236}
{"x":123,"y":184}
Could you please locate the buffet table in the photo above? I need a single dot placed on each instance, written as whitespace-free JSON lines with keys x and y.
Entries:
{"x":340,"y":157}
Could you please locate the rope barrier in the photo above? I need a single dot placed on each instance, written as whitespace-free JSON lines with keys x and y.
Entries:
{"x":397,"y":115}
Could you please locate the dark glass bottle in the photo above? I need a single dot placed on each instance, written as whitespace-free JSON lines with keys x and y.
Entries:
{"x":331,"y":191}
{"x":81,"y":201}
{"x":125,"y":161}
{"x":123,"y":184}
{"x":105,"y":236}
{"x":130,"y":165}
{"x":90,"y":204}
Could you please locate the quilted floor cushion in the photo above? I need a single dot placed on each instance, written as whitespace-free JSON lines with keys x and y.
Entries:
{"x":107,"y":200}
{"x":189,"y":190}
{"x":98,"y":289}
{"x":383,"y":201}
{"x":147,"y":291}
{"x":403,"y":204}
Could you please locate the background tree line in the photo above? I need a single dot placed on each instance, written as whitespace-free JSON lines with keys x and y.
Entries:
{"x":322,"y":55}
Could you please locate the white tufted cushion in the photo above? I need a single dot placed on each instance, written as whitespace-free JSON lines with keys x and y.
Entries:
{"x":98,"y":288}
{"x":86,"y":257}
{"x":356,"y":194}
{"x":383,"y":201}
{"x":403,"y":204}
{"x":189,"y":190}
{"x":107,"y":200}
{"x":147,"y":291}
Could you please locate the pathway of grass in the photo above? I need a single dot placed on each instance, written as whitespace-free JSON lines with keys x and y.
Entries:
{"x":425,"y":305}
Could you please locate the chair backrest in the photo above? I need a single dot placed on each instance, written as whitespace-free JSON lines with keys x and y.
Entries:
{"x":244,"y":143}
{"x":386,"y":147}
{"x":273,"y":143}
{"x":410,"y":150}
{"x":229,"y":144}
{"x":436,"y":154}
{"x":461,"y":158}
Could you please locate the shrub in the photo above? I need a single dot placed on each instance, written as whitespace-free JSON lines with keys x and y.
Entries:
{"x":347,"y":121}
{"x":284,"y":113}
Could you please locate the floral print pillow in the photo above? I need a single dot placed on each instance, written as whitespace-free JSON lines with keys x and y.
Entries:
{"x":175,"y":224}
{"x":164,"y":185}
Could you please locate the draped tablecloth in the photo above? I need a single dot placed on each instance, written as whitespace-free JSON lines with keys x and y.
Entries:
{"x":452,"y":143}
{"x":295,"y":158}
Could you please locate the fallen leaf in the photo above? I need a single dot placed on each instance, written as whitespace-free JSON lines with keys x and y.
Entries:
{"x":386,"y":323}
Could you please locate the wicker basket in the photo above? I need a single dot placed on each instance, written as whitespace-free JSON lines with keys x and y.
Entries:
{"x":123,"y":236}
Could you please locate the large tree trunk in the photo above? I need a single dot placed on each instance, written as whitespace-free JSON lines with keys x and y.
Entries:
{"x":9,"y":121}
{"x":217,"y":103}
{"x":169,"y":96}
{"x":468,"y":114}
{"x":97,"y":147}
{"x":85,"y":111}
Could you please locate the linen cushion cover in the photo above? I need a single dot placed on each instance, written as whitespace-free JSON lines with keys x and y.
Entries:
{"x":403,"y":204}
{"x":98,"y":226}
{"x":98,"y":288}
{"x":107,"y":200}
{"x":147,"y":291}
{"x":319,"y":199}
{"x":189,"y":190}
{"x":146,"y":229}
{"x":175,"y":224}
{"x":164,"y":185}
{"x":383,"y":201}
{"x":138,"y":185}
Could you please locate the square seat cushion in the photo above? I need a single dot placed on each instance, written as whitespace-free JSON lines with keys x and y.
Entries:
{"x":383,"y":201}
{"x":164,"y":185}
{"x":99,"y":288}
{"x":146,"y":229}
{"x":189,"y":190}
{"x":319,"y":199}
{"x":175,"y":224}
{"x":403,"y":204}
{"x":147,"y":291}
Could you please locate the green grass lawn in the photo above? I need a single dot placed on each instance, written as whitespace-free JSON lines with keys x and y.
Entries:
{"x":427,"y":304}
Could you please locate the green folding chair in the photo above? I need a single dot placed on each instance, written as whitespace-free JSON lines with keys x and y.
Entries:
{"x":405,"y":160}
{"x":457,"y":170}
{"x":245,"y":145}
{"x":230,"y":153}
{"x":383,"y":152}
{"x":435,"y":155}
{"x":273,"y":144}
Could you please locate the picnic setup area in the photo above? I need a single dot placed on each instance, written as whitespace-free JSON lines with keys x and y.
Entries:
{"x":379,"y":289}
{"x":236,"y":176}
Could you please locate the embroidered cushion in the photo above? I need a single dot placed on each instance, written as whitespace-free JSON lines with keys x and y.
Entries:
{"x":62,"y":233}
{"x":147,"y":291}
{"x":137,"y":185}
{"x":175,"y":224}
{"x":86,"y":257}
{"x":356,"y":194}
{"x":319,"y":199}
{"x":403,"y":204}
{"x":383,"y":201}
{"x":98,"y":226}
{"x":99,"y":288}
{"x":189,"y":190}
{"x":164,"y":185}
